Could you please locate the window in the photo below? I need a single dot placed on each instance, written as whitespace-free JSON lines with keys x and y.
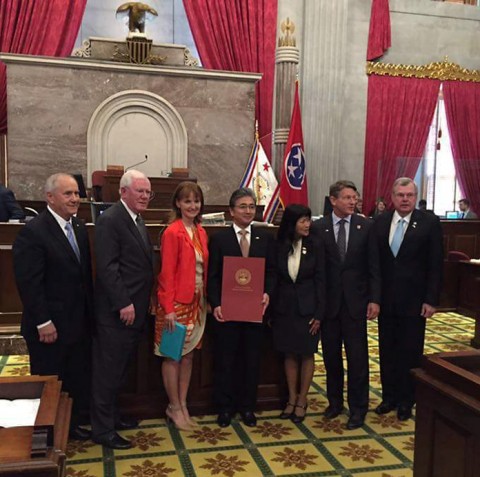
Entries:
{"x":436,"y":175}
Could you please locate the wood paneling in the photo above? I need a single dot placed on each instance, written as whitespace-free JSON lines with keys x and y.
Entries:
{"x":447,"y":422}
{"x":143,"y":395}
{"x":462,"y":235}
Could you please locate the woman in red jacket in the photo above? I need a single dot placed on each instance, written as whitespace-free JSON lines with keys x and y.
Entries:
{"x":181,"y":294}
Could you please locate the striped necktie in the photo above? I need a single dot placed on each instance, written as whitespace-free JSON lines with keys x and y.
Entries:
{"x":342,"y":239}
{"x":244,"y":245}
{"x":71,"y":239}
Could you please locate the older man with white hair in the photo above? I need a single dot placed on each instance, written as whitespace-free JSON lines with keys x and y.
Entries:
{"x":410,"y":246}
{"x":124,"y":264}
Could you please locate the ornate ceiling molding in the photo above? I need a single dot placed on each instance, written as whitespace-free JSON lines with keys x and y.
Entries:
{"x":442,"y":70}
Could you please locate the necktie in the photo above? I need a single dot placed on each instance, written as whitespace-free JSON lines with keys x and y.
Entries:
{"x":397,"y":237}
{"x":244,"y":245}
{"x":342,"y":239}
{"x":143,"y":230}
{"x":71,"y":239}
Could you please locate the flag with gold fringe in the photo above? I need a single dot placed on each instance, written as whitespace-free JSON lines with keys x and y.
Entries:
{"x":259,"y":177}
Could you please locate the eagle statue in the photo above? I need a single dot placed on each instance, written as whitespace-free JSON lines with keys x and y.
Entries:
{"x":137,"y":13}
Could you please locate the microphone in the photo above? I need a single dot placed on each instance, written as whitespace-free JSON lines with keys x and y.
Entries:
{"x":137,"y":163}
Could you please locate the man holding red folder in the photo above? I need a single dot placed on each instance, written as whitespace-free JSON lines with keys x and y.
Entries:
{"x":238,"y":344}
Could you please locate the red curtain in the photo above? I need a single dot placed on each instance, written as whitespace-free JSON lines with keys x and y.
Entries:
{"x":399,"y":113}
{"x":462,"y":105}
{"x":36,"y":27}
{"x":379,"y":35}
{"x":239,"y":35}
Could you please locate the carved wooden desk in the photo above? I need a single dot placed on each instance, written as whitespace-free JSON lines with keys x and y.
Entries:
{"x":37,"y":450}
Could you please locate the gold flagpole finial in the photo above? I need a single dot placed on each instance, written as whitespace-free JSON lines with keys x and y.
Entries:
{"x":256,"y":129}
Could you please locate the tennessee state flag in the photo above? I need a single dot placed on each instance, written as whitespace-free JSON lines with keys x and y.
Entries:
{"x":293,"y":183}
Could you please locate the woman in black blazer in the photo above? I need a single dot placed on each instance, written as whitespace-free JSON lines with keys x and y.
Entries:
{"x":298,"y":304}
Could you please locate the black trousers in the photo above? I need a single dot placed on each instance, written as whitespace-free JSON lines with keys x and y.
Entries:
{"x":113,"y":350}
{"x":237,"y":352}
{"x":401,"y":340}
{"x":352,"y":332}
{"x":72,"y":364}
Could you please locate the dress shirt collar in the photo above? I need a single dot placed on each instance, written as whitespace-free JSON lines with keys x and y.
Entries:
{"x":61,"y":221}
{"x":336,"y":218}
{"x":248,"y":230}
{"x":132,"y":214}
{"x":396,"y":217}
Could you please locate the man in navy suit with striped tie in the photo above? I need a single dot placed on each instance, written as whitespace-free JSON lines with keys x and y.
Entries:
{"x":411,"y":262}
{"x":238,"y":345}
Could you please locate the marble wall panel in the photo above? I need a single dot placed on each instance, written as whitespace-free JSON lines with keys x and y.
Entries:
{"x":218,"y":179}
{"x":50,"y":108}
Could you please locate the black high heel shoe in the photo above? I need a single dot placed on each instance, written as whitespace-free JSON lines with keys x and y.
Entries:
{"x":285,"y":414}
{"x":295,"y":417}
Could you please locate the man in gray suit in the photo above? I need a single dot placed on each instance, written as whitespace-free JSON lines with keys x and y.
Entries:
{"x":465,"y":210}
{"x":353,"y":295}
{"x":124,"y":283}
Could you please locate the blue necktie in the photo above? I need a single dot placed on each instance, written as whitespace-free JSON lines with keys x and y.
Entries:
{"x":71,"y":239}
{"x":397,"y":237}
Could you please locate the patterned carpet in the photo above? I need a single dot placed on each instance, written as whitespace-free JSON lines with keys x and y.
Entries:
{"x":317,"y":447}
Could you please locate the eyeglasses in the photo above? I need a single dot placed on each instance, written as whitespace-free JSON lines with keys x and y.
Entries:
{"x":408,"y":195}
{"x":150,"y":193}
{"x":245,"y":207}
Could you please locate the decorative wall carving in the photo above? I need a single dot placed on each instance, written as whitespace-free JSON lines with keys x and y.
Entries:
{"x":130,"y":125}
{"x":442,"y":70}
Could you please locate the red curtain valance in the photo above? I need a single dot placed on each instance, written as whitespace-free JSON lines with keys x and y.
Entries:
{"x":36,"y":27}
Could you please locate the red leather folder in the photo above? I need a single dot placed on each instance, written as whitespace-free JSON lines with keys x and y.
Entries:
{"x":242,"y":289}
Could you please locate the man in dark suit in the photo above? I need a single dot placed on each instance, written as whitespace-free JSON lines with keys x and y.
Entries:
{"x":422,"y":205}
{"x":353,"y":295}
{"x":54,"y":278}
{"x":9,"y":208}
{"x":124,"y":263}
{"x":465,"y":211}
{"x":238,"y":345}
{"x":411,"y":260}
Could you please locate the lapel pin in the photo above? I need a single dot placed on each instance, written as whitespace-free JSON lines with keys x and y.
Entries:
{"x":304,"y":250}
{"x":414,"y":224}
{"x":327,"y":230}
{"x":359,"y":227}
{"x":256,"y":238}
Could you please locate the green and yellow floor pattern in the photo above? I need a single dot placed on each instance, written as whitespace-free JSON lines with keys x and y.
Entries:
{"x":316,"y":447}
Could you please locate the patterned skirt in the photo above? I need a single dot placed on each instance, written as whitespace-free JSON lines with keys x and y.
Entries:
{"x":192,"y":315}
